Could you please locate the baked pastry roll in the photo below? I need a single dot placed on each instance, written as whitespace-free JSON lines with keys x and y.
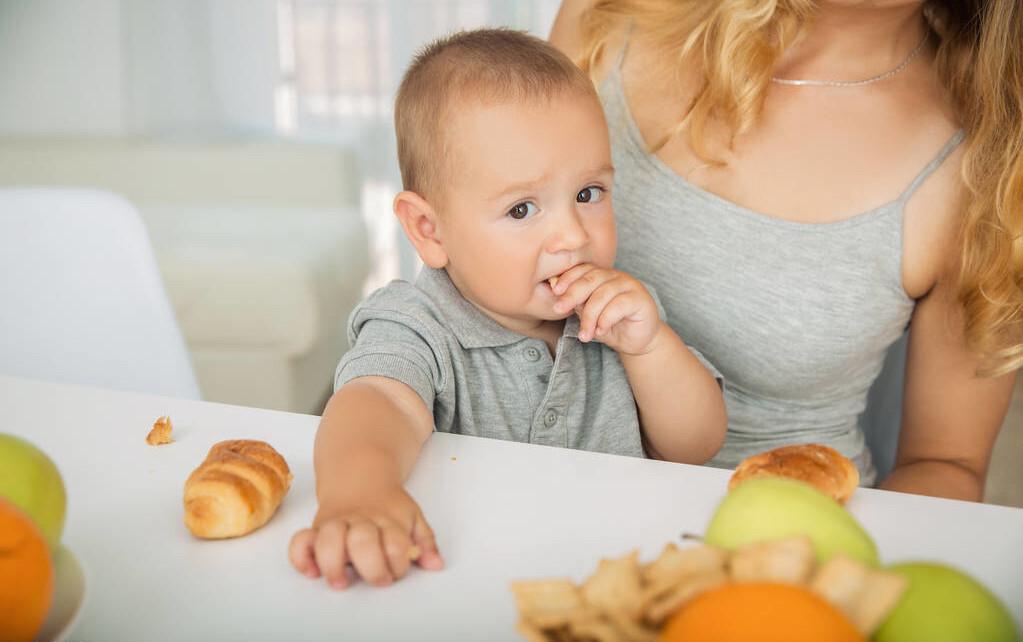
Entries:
{"x":821,"y":466}
{"x":236,"y":489}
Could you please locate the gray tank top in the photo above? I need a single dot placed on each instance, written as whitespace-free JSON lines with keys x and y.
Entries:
{"x":796,"y":316}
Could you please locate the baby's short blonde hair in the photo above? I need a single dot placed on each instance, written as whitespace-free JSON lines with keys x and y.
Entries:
{"x":485,"y":65}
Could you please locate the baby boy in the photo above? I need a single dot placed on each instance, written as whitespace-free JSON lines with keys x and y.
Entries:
{"x":518,"y":326}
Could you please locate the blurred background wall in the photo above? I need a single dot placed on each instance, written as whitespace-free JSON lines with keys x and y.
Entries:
{"x":304,"y":70}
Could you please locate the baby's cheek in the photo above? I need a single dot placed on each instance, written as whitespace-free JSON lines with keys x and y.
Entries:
{"x":605,"y":245}
{"x":503,"y":275}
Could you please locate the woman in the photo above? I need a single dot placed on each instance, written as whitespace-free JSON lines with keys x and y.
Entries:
{"x":803,"y":180}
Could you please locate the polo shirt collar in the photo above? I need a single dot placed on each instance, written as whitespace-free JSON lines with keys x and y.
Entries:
{"x":470,"y":325}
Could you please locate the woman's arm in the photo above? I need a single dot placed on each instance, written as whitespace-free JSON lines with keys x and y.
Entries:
{"x":951,"y":417}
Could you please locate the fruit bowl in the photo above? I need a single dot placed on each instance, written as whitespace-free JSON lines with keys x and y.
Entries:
{"x":68,"y":597}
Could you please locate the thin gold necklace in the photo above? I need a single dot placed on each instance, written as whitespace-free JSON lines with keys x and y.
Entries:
{"x":854,"y":83}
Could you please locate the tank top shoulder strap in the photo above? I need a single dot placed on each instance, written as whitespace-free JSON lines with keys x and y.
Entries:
{"x":620,"y":59}
{"x":929,"y":169}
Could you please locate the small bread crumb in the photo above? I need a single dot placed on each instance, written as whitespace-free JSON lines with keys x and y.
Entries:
{"x":161,"y":432}
{"x":414,"y":553}
{"x":553,"y":281}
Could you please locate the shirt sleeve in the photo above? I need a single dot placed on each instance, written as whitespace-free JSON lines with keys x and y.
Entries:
{"x":389,"y":343}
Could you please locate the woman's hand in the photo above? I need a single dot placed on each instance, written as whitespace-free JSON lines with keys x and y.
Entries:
{"x":613,"y":308}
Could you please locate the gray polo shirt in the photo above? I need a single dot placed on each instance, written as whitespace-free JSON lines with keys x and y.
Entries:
{"x":482,"y":379}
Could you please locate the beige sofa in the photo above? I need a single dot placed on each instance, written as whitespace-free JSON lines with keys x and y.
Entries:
{"x":261,"y":244}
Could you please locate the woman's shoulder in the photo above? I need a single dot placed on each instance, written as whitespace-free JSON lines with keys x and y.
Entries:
{"x":933,"y":202}
{"x":567,"y":34}
{"x":931,"y":222}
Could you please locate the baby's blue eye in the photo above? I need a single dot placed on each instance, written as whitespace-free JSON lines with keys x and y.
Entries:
{"x":591,"y":194}
{"x":522,"y":210}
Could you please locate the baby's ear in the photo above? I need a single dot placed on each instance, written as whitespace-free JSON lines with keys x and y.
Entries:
{"x":419,"y":220}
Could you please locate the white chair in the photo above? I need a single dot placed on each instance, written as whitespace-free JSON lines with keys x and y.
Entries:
{"x":261,"y":245}
{"x":81,"y":299}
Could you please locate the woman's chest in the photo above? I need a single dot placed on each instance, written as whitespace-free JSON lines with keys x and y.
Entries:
{"x":820,"y":159}
{"x":774,"y":305}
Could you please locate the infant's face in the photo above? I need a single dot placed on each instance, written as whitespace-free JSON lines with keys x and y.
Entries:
{"x":528,"y":197}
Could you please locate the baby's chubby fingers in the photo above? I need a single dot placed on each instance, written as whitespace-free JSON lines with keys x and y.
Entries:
{"x":302,"y":554}
{"x":593,"y":308}
{"x":331,"y":554}
{"x":629,"y":323}
{"x":583,"y":280}
{"x":398,"y":548}
{"x":422,"y":535}
{"x":614,"y":312}
{"x":570,"y":276}
{"x":366,"y":551}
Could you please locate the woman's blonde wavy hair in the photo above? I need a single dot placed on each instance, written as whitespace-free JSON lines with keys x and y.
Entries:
{"x":980,"y":61}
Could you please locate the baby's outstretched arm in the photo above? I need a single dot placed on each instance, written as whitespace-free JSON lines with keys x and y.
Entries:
{"x":368,"y":440}
{"x":681,"y":408}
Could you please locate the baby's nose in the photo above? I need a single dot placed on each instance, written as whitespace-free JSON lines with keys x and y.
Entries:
{"x":570,"y":234}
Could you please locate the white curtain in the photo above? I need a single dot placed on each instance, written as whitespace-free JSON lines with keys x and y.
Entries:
{"x":199,"y":68}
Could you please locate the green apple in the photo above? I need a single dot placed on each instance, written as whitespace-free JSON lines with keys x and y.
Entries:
{"x":769,"y":508}
{"x":30,"y":480}
{"x":942,"y":604}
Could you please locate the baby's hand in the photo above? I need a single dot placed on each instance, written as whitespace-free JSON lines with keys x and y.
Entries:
{"x":380,"y":538}
{"x":613,"y":307}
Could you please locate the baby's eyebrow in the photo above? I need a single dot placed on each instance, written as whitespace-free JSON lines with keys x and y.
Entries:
{"x":521,"y":186}
{"x":525,"y":186}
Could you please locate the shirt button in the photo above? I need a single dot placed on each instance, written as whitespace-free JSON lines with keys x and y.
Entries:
{"x":532,"y":354}
{"x":550,"y":418}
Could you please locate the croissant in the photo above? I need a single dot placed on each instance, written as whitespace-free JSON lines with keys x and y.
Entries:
{"x":236,"y":489}
{"x":818,"y":465}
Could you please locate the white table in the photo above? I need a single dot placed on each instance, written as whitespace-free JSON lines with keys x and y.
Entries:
{"x":500,"y":510}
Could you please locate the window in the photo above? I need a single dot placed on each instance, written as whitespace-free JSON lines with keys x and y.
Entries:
{"x":340,"y":63}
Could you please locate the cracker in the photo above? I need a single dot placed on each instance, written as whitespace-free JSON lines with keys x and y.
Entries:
{"x":674,"y":563}
{"x":659,"y":610}
{"x":629,"y":628}
{"x":547,"y":603}
{"x":532,"y":632}
{"x":864,"y":594}
{"x":790,"y":560}
{"x":616,"y":585}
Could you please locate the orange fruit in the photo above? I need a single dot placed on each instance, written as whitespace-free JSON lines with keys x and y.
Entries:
{"x":760,"y":612}
{"x":26,"y":575}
